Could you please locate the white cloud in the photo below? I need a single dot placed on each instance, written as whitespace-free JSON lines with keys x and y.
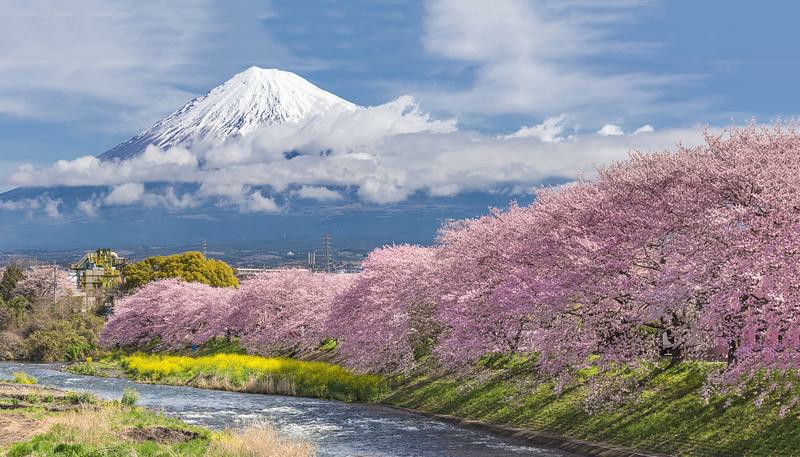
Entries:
{"x":258,"y":203}
{"x":153,"y":165}
{"x":647,"y":128}
{"x":610,"y":130}
{"x":174,"y":156}
{"x":548,"y":131}
{"x":89,"y":208}
{"x":125,"y":194}
{"x":339,"y":130}
{"x":170,"y":200}
{"x":318,"y":193}
{"x":49,"y":205}
{"x":538,"y":57}
{"x":231,"y":191}
{"x":125,"y":61}
{"x":385,"y":153}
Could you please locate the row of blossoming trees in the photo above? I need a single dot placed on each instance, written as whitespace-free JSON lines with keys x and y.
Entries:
{"x":688,"y":254}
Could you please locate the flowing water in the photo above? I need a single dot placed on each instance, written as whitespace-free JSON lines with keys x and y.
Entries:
{"x":338,"y":429}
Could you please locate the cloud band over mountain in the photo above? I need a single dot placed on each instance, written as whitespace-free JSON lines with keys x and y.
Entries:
{"x":266,"y":134}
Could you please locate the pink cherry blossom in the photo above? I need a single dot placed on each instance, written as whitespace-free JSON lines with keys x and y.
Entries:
{"x":285,"y":311}
{"x":385,"y":318}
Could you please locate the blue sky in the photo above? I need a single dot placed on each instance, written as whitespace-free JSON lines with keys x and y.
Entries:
{"x":78,"y":77}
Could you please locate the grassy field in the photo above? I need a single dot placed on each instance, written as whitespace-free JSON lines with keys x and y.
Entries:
{"x":247,"y":373}
{"x":45,"y":422}
{"x":667,"y":415}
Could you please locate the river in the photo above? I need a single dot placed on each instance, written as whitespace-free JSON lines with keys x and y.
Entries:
{"x":338,"y":429}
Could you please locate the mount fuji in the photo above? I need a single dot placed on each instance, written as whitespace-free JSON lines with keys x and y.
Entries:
{"x":249,"y":100}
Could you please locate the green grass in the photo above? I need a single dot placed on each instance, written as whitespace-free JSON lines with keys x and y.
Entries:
{"x":668,"y":415}
{"x":104,"y":432}
{"x":80,"y":425}
{"x":328,"y":345}
{"x":248,"y":373}
{"x":219,"y":346}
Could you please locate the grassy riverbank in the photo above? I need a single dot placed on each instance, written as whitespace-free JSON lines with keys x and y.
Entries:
{"x":37,"y":421}
{"x":667,"y":414}
{"x":246,"y":373}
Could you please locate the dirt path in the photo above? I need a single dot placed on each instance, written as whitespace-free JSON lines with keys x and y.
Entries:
{"x":18,"y":426}
{"x":15,"y":427}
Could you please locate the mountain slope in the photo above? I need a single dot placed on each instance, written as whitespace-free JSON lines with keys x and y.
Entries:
{"x":78,"y":216}
{"x":250,"y":99}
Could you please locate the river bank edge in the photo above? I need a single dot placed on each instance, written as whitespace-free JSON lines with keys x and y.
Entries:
{"x":49,"y":421}
{"x":670,"y":413}
{"x":534,"y":438}
{"x":587,"y":448}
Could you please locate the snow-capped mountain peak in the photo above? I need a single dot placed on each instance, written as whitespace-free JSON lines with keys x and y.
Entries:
{"x":252,"y":98}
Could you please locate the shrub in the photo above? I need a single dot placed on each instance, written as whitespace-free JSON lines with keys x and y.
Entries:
{"x":23,"y":378}
{"x":17,"y":307}
{"x":257,"y":374}
{"x":6,"y":317}
{"x":69,"y":339}
{"x":80,"y":398}
{"x":129,"y":397}
{"x":10,"y":346}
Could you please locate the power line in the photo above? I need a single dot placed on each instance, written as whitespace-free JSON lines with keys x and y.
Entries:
{"x":326,"y":245}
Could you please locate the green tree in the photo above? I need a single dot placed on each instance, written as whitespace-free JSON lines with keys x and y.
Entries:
{"x":74,"y":338}
{"x":17,"y":307}
{"x":11,"y":277}
{"x":189,"y":266}
{"x":6,"y":316}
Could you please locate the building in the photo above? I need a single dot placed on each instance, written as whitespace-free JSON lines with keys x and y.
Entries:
{"x":99,"y":270}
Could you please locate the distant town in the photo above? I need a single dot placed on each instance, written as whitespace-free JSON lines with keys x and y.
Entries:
{"x":324,"y":257}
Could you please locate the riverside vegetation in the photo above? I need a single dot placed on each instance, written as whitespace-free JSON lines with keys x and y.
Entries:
{"x":664,"y":408}
{"x":46,"y":422}
{"x":40,"y":320}
{"x":247,"y":373}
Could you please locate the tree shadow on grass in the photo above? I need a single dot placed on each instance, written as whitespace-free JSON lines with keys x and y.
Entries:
{"x":672,"y":418}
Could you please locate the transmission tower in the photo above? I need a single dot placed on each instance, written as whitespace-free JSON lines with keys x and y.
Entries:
{"x":326,"y":246}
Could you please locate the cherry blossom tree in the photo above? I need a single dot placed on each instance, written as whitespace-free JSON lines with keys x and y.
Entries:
{"x":173,"y":313}
{"x":285,"y":311}
{"x":41,"y":282}
{"x":476,"y":257}
{"x":686,"y":254}
{"x":385,"y":319}
{"x":753,"y":313}
{"x":663,"y":252}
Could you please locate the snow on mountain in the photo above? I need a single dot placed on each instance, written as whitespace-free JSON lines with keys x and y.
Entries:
{"x":250,"y":99}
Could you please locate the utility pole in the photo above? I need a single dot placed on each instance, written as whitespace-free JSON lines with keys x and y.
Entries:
{"x":326,"y":245}
{"x":55,"y":282}
{"x":205,"y":248}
